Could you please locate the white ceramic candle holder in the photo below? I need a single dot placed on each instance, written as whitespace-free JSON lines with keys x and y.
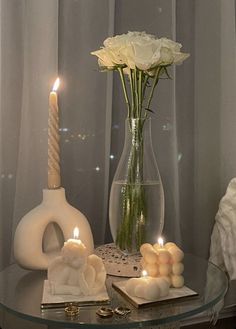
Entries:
{"x":30,"y":232}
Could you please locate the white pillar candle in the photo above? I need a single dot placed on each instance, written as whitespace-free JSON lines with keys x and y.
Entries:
{"x":131,"y":284}
{"x":177,"y":254}
{"x":152,"y":269}
{"x":74,"y":268}
{"x":150,"y":256}
{"x":169,"y":245}
{"x":141,"y":283}
{"x":177,"y":281}
{"x":74,"y":253}
{"x":177,"y":268}
{"x":164,"y":256}
{"x":147,"y":288}
{"x":152,"y":290}
{"x":159,"y":244}
{"x":164,"y":269}
{"x":168,"y":279}
{"x":163,"y":261}
{"x":164,"y":286}
{"x":54,"y":177}
{"x":140,"y":289}
{"x":144,"y":247}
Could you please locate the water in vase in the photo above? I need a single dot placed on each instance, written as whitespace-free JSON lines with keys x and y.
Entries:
{"x":136,"y":213}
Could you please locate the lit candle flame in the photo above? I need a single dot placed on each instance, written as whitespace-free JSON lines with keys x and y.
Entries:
{"x":144,"y":273}
{"x":76,"y":233}
{"x":160,"y":242}
{"x":56,"y":84}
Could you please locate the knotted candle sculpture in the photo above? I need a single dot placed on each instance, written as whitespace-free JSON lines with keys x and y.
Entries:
{"x":165,"y":261}
{"x":30,"y":234}
{"x":75,"y":272}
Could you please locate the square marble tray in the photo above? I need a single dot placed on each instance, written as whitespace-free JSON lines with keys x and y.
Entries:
{"x":175,"y":293}
{"x":54,"y":301}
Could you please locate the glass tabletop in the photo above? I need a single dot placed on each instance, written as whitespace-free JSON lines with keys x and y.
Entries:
{"x":21,"y":294}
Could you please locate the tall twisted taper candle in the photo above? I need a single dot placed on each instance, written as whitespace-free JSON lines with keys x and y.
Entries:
{"x":54,"y":177}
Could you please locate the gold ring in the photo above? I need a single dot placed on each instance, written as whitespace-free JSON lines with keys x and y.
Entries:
{"x":122,"y":310}
{"x":72,"y":310}
{"x":105,"y":312}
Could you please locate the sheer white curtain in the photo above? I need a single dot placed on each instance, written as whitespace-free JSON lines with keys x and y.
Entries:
{"x":29,"y":54}
{"x":215,"y":115}
{"x":193,"y":131}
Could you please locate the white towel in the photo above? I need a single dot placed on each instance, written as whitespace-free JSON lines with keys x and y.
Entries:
{"x":223,"y":239}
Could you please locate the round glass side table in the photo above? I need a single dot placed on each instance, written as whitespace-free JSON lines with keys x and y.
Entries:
{"x":21,"y":294}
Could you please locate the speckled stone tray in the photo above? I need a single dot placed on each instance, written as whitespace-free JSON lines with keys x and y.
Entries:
{"x":117,"y":263}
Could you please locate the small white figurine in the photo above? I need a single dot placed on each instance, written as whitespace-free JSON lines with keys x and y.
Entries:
{"x":76,"y":273}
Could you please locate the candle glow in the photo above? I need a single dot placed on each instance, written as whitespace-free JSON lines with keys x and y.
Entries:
{"x":144,"y":273}
{"x":160,"y":241}
{"x":56,"y":84}
{"x":76,"y":233}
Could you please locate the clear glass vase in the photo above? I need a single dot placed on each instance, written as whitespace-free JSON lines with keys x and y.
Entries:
{"x":136,"y":208}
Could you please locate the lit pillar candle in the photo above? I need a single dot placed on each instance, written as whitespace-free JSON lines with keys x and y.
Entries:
{"x":147,"y":287}
{"x":177,"y":281}
{"x":140,"y":289}
{"x":177,"y":254}
{"x":131,"y":284}
{"x":74,"y":251}
{"x":54,"y":177}
{"x":74,"y":269}
{"x":163,"y":254}
{"x":75,"y":254}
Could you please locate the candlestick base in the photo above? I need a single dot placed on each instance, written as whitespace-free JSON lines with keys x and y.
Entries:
{"x":38,"y":240}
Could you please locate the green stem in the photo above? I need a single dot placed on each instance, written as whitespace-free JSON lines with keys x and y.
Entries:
{"x":155,"y":81}
{"x":131,"y":89}
{"x":124,"y":89}
{"x":136,"y":91}
{"x":145,"y":82}
{"x":140,"y":76}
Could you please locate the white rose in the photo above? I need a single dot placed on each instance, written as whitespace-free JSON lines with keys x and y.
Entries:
{"x":125,"y":39}
{"x":166,"y":57}
{"x":109,"y":57}
{"x":171,"y":53}
{"x":104,"y":57}
{"x":141,"y":50}
{"x":170,"y":44}
{"x":116,"y":42}
{"x":145,"y":54}
{"x":135,"y":49}
{"x":140,"y":36}
{"x":118,"y":54}
{"x":180,"y":57}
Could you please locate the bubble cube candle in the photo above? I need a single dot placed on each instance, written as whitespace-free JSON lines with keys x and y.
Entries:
{"x":165,"y":261}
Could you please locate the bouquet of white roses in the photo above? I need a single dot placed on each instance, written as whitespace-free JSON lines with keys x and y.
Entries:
{"x":145,"y":59}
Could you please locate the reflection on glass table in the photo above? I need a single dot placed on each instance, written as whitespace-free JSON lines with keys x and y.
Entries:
{"x":21,"y":294}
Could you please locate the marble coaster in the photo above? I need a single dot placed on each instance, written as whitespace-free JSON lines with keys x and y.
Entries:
{"x":175,"y":293}
{"x":54,"y":301}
